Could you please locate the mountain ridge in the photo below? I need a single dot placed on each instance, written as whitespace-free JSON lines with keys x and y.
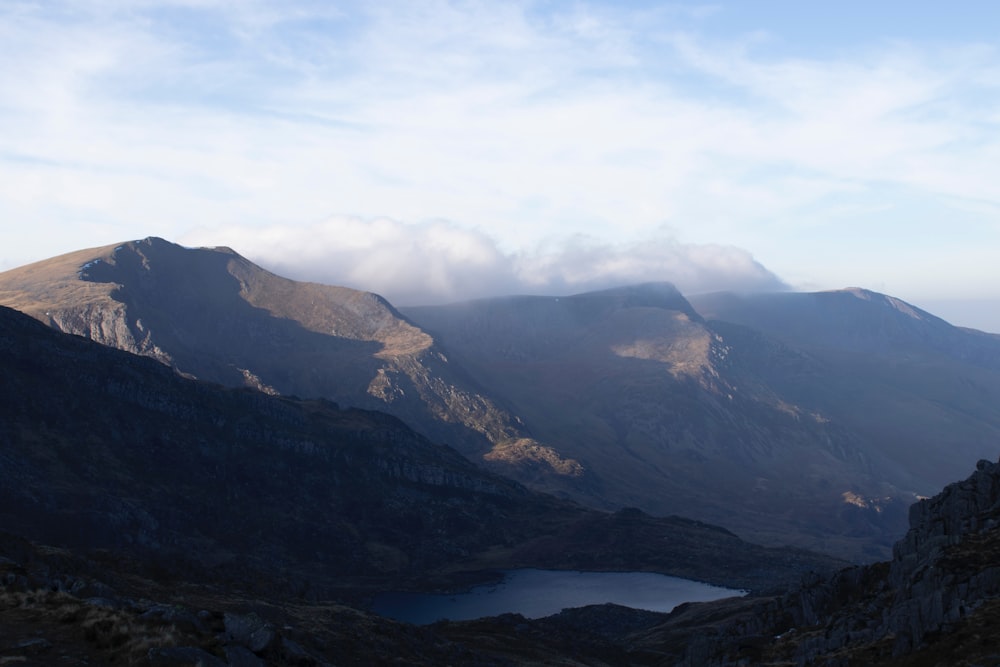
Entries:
{"x":623,"y":397}
{"x":166,"y":482}
{"x":824,"y":318}
{"x":919,"y":384}
{"x":648,"y":393}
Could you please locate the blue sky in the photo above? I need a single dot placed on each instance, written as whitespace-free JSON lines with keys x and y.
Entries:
{"x":434,"y":151}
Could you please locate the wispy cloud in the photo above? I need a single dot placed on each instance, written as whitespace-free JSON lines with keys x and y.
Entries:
{"x":440,"y":262}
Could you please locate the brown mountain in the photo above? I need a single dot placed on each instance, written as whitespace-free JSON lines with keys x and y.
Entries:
{"x":211,"y":314}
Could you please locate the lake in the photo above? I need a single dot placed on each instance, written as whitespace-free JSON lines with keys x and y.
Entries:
{"x":536,"y":593}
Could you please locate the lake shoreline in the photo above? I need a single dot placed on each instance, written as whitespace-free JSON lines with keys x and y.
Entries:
{"x":535,"y":593}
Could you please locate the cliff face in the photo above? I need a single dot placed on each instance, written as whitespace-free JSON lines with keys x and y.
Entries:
{"x":942,"y":571}
{"x":943,"y":579}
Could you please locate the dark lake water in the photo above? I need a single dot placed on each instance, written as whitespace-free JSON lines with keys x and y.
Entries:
{"x":537,"y":593}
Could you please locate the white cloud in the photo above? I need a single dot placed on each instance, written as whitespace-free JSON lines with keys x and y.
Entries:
{"x":439,"y":262}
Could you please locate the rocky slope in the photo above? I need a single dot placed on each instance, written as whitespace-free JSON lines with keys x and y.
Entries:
{"x":934,"y":603}
{"x":211,"y":314}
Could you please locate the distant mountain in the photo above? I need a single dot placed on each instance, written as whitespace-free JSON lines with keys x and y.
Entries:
{"x":921,"y":392}
{"x":639,"y":388}
{"x":853,"y":320}
{"x":211,"y":314}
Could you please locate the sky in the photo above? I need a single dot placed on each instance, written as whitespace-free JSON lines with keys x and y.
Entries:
{"x":436,"y":151}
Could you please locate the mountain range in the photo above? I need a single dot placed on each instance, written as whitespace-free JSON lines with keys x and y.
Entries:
{"x":803,"y":419}
{"x":220,"y":490}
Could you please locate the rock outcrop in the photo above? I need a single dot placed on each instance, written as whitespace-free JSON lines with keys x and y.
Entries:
{"x":944,"y":576}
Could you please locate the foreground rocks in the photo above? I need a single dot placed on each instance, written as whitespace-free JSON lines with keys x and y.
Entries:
{"x":944,"y":579}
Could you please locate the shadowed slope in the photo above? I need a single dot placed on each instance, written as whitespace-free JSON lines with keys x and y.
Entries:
{"x":104,"y":449}
{"x":624,"y":397}
{"x":636,"y":386}
{"x":921,"y":392}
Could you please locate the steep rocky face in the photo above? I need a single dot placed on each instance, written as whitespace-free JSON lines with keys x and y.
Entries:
{"x":676,"y":416}
{"x":211,"y":314}
{"x":943,"y":580}
{"x":941,"y":574}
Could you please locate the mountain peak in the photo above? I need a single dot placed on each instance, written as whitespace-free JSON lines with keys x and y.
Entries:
{"x":889,"y":301}
{"x":212,"y":314}
{"x":662,"y":295}
{"x":659,"y":287}
{"x":852,"y":318}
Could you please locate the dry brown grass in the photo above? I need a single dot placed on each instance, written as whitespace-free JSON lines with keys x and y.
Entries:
{"x":100,"y":634}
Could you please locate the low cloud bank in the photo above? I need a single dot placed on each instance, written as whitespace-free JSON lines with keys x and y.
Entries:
{"x":440,"y":262}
